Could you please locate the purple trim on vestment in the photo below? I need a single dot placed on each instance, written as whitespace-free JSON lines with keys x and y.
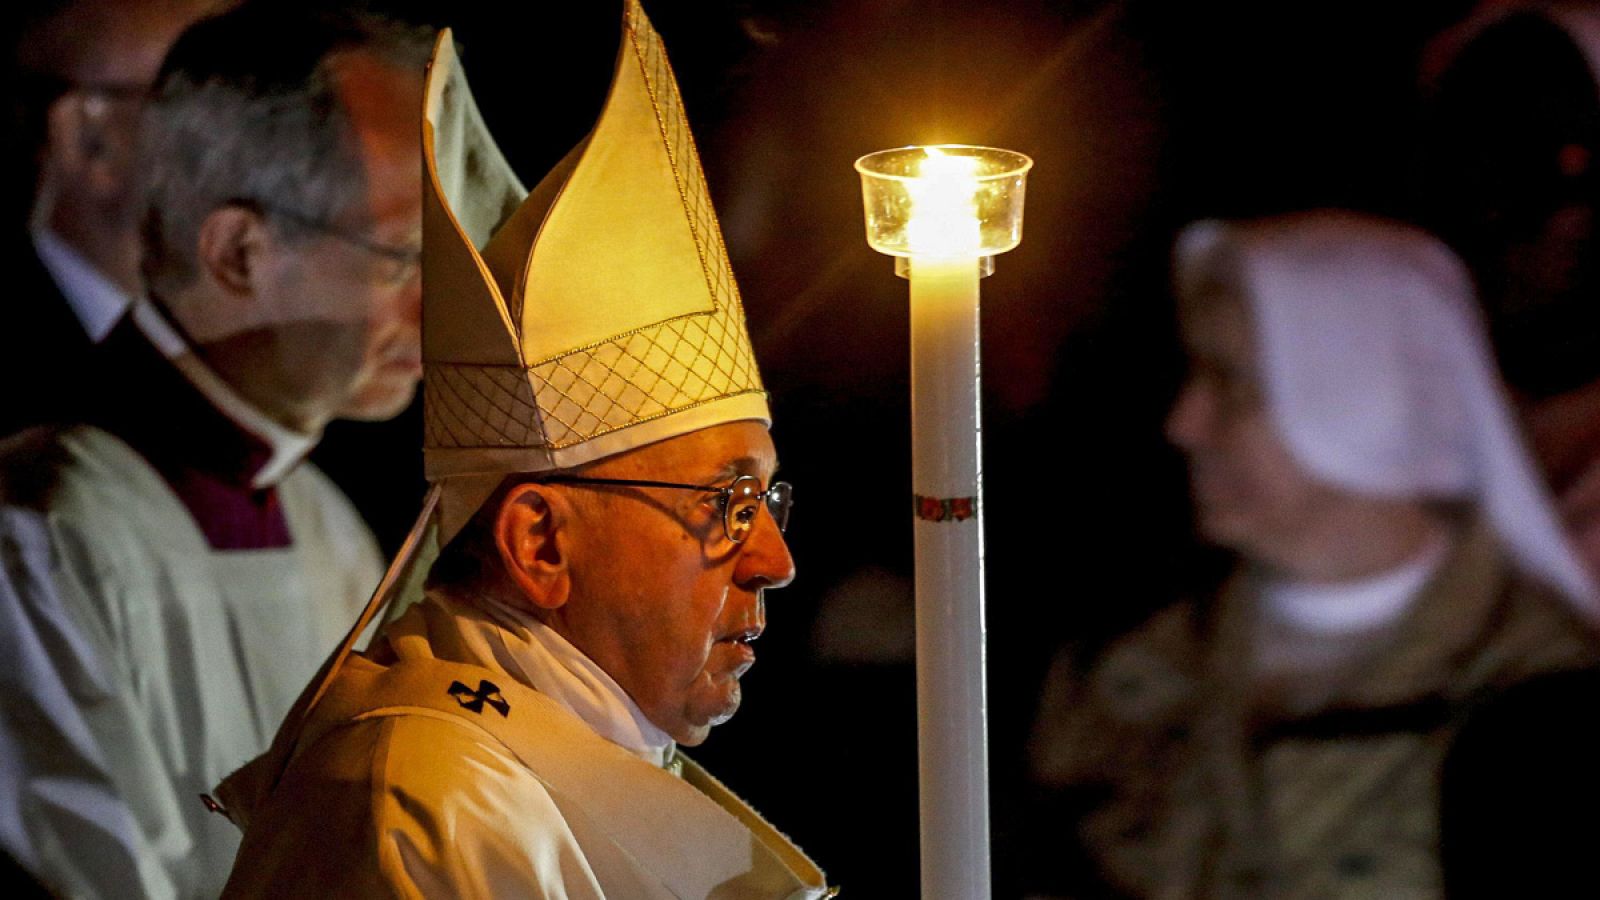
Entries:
{"x":207,"y":459}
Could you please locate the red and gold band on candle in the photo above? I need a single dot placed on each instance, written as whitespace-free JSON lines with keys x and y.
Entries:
{"x":945,"y":509}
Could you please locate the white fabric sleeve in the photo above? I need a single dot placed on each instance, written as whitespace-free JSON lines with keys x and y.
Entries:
{"x":70,"y":741}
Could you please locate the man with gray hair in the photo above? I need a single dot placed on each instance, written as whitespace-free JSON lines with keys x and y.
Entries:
{"x":171,"y":571}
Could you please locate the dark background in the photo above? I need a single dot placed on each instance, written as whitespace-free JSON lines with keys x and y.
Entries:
{"x":1140,"y":116}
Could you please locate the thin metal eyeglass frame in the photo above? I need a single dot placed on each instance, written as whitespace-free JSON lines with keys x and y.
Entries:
{"x":764,"y":496}
{"x":403,"y":255}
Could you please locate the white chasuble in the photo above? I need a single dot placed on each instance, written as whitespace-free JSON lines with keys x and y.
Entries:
{"x":431,"y":778}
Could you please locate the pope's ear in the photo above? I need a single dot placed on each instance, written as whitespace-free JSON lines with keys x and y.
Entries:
{"x":531,"y":537}
{"x":228,"y":249}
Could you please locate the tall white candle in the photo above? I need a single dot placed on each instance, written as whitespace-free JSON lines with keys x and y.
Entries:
{"x":945,"y":210}
{"x":953,"y":758}
{"x":951,"y":694}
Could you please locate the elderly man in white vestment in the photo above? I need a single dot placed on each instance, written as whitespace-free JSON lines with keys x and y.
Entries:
{"x":597,"y":436}
{"x":171,"y":571}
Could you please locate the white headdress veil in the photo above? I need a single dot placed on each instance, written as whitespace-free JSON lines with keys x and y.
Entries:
{"x":1378,"y":372}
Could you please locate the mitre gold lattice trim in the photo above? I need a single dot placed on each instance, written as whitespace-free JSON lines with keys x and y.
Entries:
{"x":640,"y":375}
{"x":653,"y":372}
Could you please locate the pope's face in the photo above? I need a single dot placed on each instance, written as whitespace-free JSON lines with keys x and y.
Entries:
{"x":661,"y":598}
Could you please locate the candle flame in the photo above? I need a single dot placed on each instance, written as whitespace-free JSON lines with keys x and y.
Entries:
{"x":944,"y":206}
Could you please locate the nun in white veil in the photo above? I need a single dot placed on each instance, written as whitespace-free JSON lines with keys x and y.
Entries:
{"x":1349,"y":438}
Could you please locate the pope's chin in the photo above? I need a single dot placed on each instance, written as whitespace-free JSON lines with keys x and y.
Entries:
{"x":714,"y":704}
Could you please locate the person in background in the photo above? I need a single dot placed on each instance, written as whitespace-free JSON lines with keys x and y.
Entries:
{"x":1348,"y":437}
{"x":172,"y":571}
{"x":82,"y":71}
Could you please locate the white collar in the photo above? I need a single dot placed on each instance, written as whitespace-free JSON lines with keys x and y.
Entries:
{"x":1353,"y":606}
{"x":288,"y":446}
{"x":95,"y":299}
{"x":531,"y":651}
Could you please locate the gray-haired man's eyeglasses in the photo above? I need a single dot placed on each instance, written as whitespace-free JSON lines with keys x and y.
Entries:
{"x":740,"y":501}
{"x":405,"y":259}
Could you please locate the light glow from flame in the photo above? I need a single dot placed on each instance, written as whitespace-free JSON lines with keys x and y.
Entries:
{"x":944,"y":221}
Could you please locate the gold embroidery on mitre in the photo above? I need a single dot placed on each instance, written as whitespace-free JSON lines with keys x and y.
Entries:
{"x":691,"y":353}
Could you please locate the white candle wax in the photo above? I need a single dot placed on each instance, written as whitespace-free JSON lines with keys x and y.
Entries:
{"x":943,"y":209}
{"x":951,"y":694}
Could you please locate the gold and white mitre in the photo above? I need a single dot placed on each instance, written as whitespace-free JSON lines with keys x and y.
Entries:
{"x":596,"y":314}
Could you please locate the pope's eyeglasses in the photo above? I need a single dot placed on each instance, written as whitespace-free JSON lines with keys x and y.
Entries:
{"x":740,"y":502}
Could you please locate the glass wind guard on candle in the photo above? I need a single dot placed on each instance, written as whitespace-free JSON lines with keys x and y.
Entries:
{"x":945,"y":201}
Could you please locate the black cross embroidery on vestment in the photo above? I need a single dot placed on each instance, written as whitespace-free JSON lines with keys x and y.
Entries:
{"x":487,"y":692}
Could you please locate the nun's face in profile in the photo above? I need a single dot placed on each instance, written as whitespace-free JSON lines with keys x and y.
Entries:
{"x":1249,"y":491}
